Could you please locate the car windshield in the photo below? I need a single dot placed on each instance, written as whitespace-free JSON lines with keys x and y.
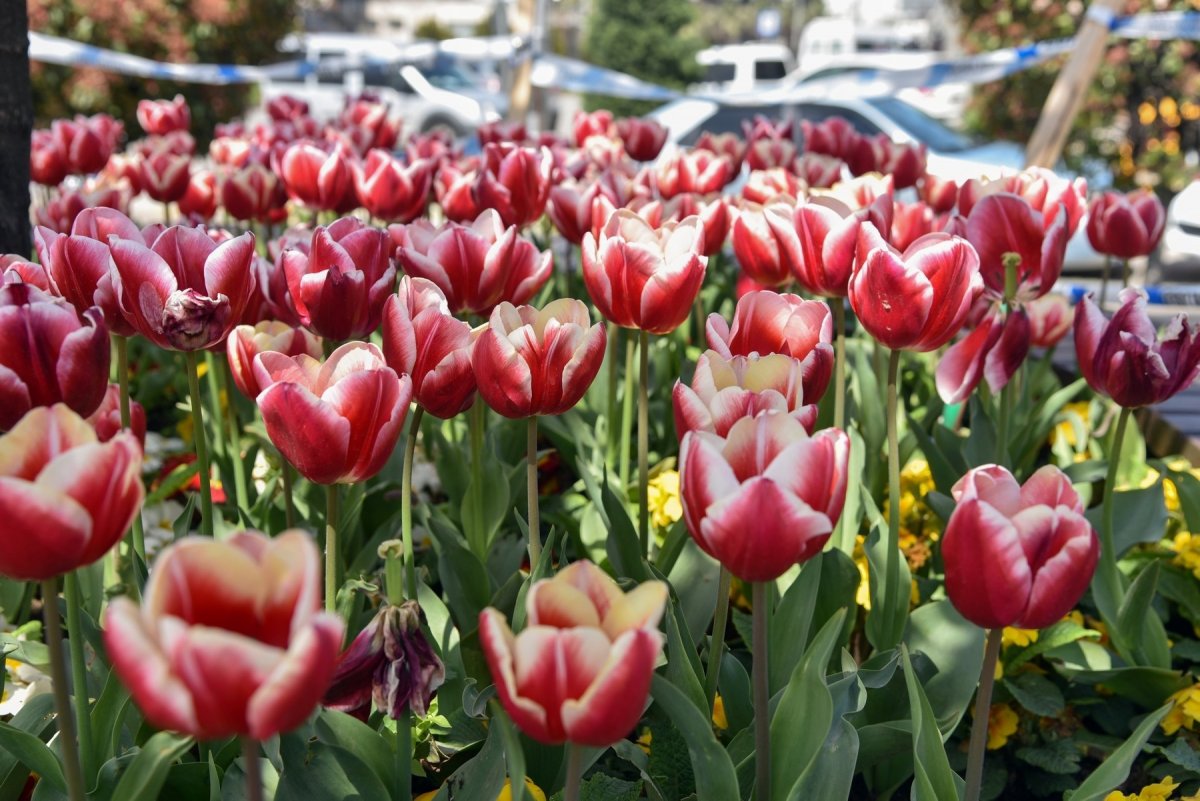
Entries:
{"x":921,"y":127}
{"x":447,"y":74}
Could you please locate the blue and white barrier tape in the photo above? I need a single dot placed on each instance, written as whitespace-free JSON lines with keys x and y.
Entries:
{"x":1176,"y":295}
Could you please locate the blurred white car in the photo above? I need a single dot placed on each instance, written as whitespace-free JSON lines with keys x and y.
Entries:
{"x":950,"y":154}
{"x":1178,"y":255}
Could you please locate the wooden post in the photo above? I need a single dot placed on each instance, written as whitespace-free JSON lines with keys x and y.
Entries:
{"x":522,"y":88}
{"x":1046,"y":144}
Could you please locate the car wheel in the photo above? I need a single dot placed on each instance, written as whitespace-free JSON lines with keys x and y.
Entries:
{"x":443,"y":124}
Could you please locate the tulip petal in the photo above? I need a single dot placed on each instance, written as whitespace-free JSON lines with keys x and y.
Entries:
{"x":55,"y":530}
{"x":640,"y":608}
{"x":961,"y":367}
{"x":987,"y":577}
{"x":143,"y":667}
{"x":556,"y":603}
{"x":892,"y":301}
{"x":295,"y":686}
{"x":1070,"y":551}
{"x":307,"y":431}
{"x":499,"y":646}
{"x":614,"y":702}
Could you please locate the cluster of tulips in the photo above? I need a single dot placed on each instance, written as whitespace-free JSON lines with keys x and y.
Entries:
{"x":228,"y":637}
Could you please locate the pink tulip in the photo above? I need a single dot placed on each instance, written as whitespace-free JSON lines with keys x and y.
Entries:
{"x":764,"y":186}
{"x":1126,"y":226}
{"x":905,"y":163}
{"x":1017,"y":555}
{"x":501,"y":131}
{"x":1003,"y":223}
{"x":476,"y":266}
{"x":994,"y":350}
{"x":106,"y":420}
{"x":318,"y":179}
{"x":700,"y":171}
{"x":247,"y":341}
{"x":580,"y":670}
{"x":1125,"y":359}
{"x":644,"y":278}
{"x":818,"y":170}
{"x":515,"y":181}
{"x":336,"y":422}
{"x":726,"y":145}
{"x":714,"y":213}
{"x":454,"y":186}
{"x":724,"y":391}
{"x":228,"y":640}
{"x":338,"y":285}
{"x":372,"y":116}
{"x":85,"y":145}
{"x":165,"y":175}
{"x":47,"y":161}
{"x":49,"y":353}
{"x":253,"y":192}
{"x":16,"y":269}
{"x":59,"y":213}
{"x":764,"y":127}
{"x":390,"y":190}
{"x":200,"y":199}
{"x":596,"y":123}
{"x":65,"y":498}
{"x":765,"y":497}
{"x":643,"y":138}
{"x":834,"y":136}
{"x":531,"y":362}
{"x":767,"y":322}
{"x":827,"y":235}
{"x":765,"y":243}
{"x":1049,"y":319}
{"x":422,"y":340}
{"x":1044,"y":191}
{"x":911,"y":222}
{"x":916,"y":300}
{"x":161,"y":117}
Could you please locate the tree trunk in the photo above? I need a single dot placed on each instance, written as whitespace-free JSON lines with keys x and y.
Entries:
{"x":16,"y":125}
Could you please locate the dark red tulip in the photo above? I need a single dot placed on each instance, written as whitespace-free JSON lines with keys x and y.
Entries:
{"x":339,"y":284}
{"x":643,"y":138}
{"x":421,"y":339}
{"x":390,"y":190}
{"x":994,"y":350}
{"x":1126,"y":226}
{"x":184,"y":292}
{"x":1126,"y":359}
{"x":286,"y":107}
{"x":1017,"y":555}
{"x":47,"y":161}
{"x":515,"y":181}
{"x":161,"y":117}
{"x":200,"y":199}
{"x":49,"y":353}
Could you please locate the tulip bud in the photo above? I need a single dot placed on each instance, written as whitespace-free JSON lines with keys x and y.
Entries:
{"x":389,"y":662}
{"x":1126,"y":226}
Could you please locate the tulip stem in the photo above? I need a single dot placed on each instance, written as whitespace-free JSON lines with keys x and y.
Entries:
{"x":892,"y":561}
{"x":627,"y":412}
{"x":406,"y":532}
{"x":404,"y":756}
{"x":137,"y":537}
{"x":289,"y":506}
{"x":1104,"y":280}
{"x":839,"y":363}
{"x":983,"y":706}
{"x":201,"y":441}
{"x":253,"y":768}
{"x":473,"y":525}
{"x":643,"y":441}
{"x":331,"y":543}
{"x":1124,"y":273}
{"x":62,"y":699}
{"x":235,"y":431}
{"x":1006,"y":408}
{"x":531,"y":493}
{"x":1109,"y":600}
{"x":717,"y":644}
{"x":214,"y":402}
{"x":83,"y":717}
{"x":698,"y":310}
{"x":762,"y":694}
{"x":574,"y":772}
{"x":610,"y":356}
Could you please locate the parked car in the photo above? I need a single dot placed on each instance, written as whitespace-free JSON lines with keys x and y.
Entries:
{"x":950,"y":153}
{"x":429,"y":89}
{"x":1178,"y":256}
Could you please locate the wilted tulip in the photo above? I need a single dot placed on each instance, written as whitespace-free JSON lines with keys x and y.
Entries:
{"x":184,"y":292}
{"x":1126,"y":226}
{"x":476,"y":266}
{"x":161,"y":117}
{"x":107,"y":417}
{"x":916,"y":300}
{"x":1125,"y":359}
{"x":339,"y":284}
{"x":643,"y":138}
{"x":229,"y":640}
{"x":1049,"y":319}
{"x":724,"y":391}
{"x":581,"y":626}
{"x":49,"y":353}
{"x":47,"y":161}
{"x":391,"y":190}
{"x":765,"y":497}
{"x":422,"y":340}
{"x":697,"y":170}
{"x":389,"y":662}
{"x":1004,"y":223}
{"x":515,"y":181}
{"x":65,"y":497}
{"x":640,"y":277}
{"x":767,"y":322}
{"x":318,"y":179}
{"x":1017,"y":555}
{"x":530,"y":362}
{"x":994,"y":350}
{"x":200,"y":199}
{"x":337,"y":422}
{"x":765,"y":243}
{"x":247,"y":341}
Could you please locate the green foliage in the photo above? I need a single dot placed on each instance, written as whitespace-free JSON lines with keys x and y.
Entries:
{"x":645,"y":40}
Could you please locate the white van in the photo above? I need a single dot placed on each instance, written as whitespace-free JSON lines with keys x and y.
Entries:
{"x":743,"y":67}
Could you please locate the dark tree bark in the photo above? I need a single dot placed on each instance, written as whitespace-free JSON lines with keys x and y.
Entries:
{"x":16,"y":125}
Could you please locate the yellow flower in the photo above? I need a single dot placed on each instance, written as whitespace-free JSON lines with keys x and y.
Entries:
{"x":531,"y":791}
{"x":663,"y":498}
{"x":1159,"y":791}
{"x":863,"y":596}
{"x":1187,"y":551}
{"x":1002,"y":724}
{"x":718,"y":714}
{"x":644,"y":740}
{"x":1019,"y":637}
{"x":1185,"y":710}
{"x":1065,"y":429}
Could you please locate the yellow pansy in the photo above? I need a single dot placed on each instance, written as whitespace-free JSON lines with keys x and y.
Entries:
{"x":532,"y":791}
{"x":1187,"y":551}
{"x":1185,"y":710}
{"x":1159,"y":791}
{"x":1019,"y":637}
{"x":663,"y":498}
{"x":1002,"y":724}
{"x":718,"y":714}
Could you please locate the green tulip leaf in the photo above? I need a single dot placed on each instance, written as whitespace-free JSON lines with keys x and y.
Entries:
{"x":716,"y":779}
{"x":1114,"y":770}
{"x":145,"y":776}
{"x":933,"y":780}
